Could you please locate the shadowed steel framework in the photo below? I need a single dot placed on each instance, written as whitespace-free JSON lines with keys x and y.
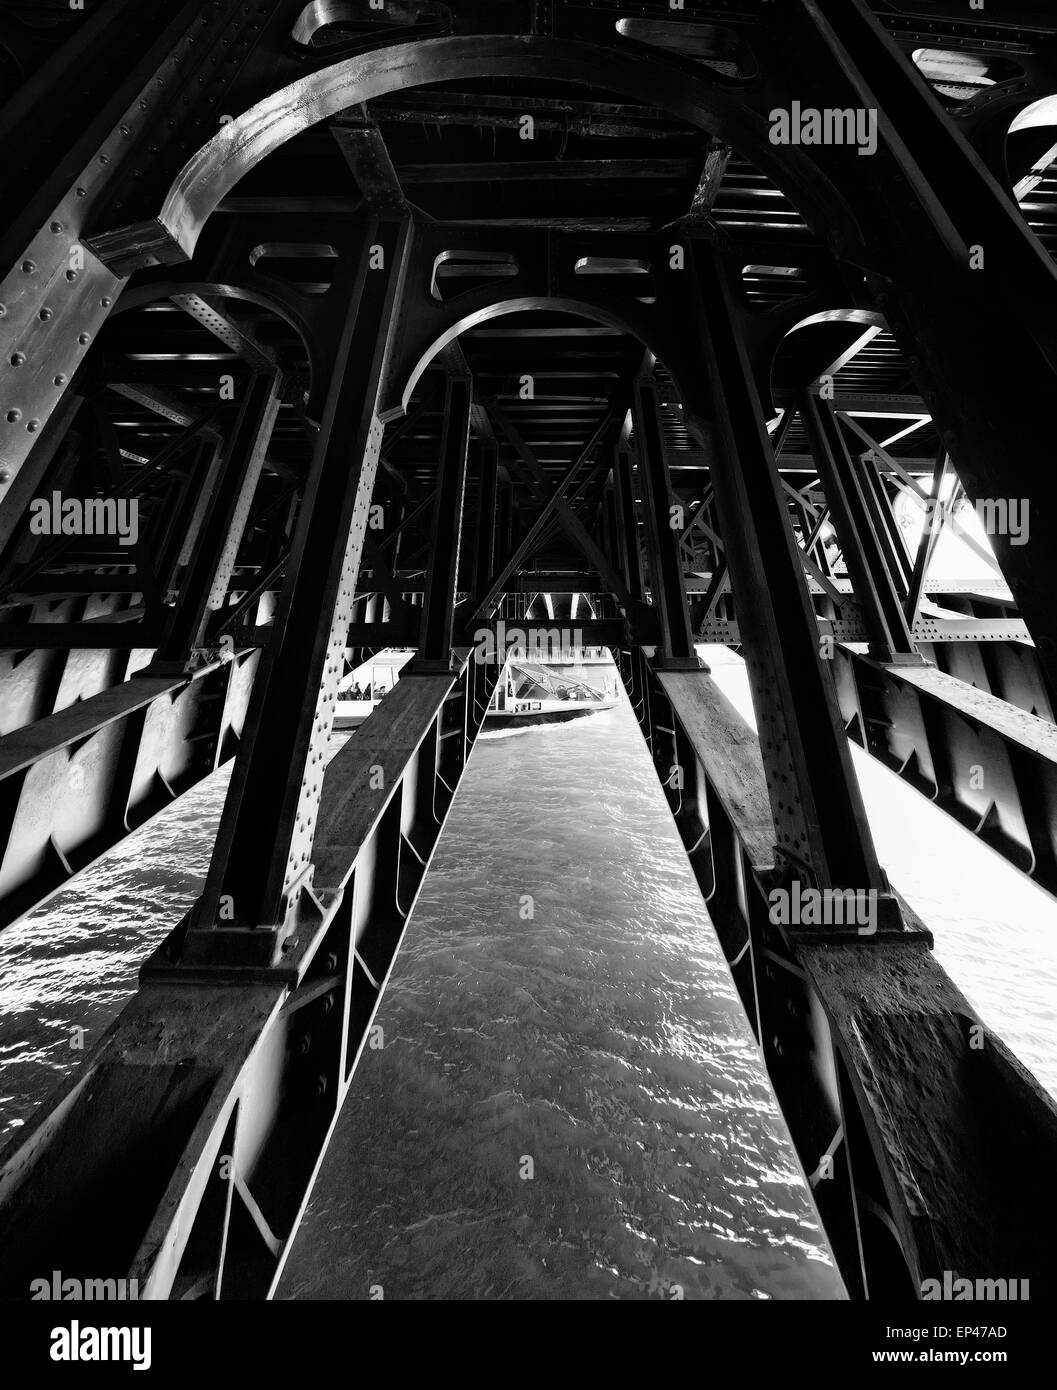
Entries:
{"x":392,"y":321}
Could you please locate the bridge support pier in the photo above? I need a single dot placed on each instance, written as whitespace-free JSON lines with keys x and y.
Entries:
{"x":823,"y":835}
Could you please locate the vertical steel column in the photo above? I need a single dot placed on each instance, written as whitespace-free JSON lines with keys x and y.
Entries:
{"x":484,"y":547}
{"x":223,"y":520}
{"x":666,"y":566}
{"x":934,"y":521}
{"x":612,"y":531}
{"x":263,"y":851}
{"x":624,"y":494}
{"x":880,"y":504}
{"x":439,"y":604}
{"x":819,"y":816}
{"x":178,"y":510}
{"x":504,"y":517}
{"x":872,"y":579}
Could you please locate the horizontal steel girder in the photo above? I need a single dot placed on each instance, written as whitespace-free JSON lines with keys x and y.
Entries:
{"x":852,"y":629}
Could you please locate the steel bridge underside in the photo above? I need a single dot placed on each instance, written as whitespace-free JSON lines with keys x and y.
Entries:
{"x":391,"y":326}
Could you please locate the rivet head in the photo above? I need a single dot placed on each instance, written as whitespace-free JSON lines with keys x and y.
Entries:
{"x":60,"y":380}
{"x":71,"y":275}
{"x":29,"y":267}
{"x":104,"y":159}
{"x":84,"y":338}
{"x":33,"y":426}
{"x":125,"y":130}
{"x":82,"y":193}
{"x":56,"y":227}
{"x":17,"y":359}
{"x":5,"y":475}
{"x":45,"y":314}
{"x":13,"y":416}
{"x":105,"y":302}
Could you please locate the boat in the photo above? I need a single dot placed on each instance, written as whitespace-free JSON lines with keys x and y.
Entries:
{"x":552,"y":692}
{"x":363,"y":689}
{"x":583,"y":682}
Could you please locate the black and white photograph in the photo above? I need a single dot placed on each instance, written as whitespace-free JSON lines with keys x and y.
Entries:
{"x":528,"y":676}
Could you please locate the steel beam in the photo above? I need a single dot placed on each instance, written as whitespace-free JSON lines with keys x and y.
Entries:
{"x":888,"y":1080}
{"x":872,"y":577}
{"x":990,"y":766}
{"x":485,"y":520}
{"x":274,"y":794}
{"x":221,"y":1088}
{"x":439,"y":606}
{"x":819,"y":816}
{"x":665,"y":565}
{"x":204,"y":584}
{"x":981,"y":341}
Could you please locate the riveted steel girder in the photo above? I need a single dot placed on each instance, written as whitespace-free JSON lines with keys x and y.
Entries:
{"x":280,"y":776}
{"x":889,"y":1082}
{"x":221,"y":1085}
{"x":818,"y":812}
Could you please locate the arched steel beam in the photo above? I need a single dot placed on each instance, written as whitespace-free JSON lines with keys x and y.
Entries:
{"x":158,"y":290}
{"x":417,"y":353}
{"x":670,"y":85}
{"x":766,"y":339}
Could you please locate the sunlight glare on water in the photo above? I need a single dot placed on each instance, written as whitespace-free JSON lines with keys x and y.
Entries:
{"x":995,"y":931}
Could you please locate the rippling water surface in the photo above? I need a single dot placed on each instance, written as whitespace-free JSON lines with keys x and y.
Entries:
{"x":599,"y":1038}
